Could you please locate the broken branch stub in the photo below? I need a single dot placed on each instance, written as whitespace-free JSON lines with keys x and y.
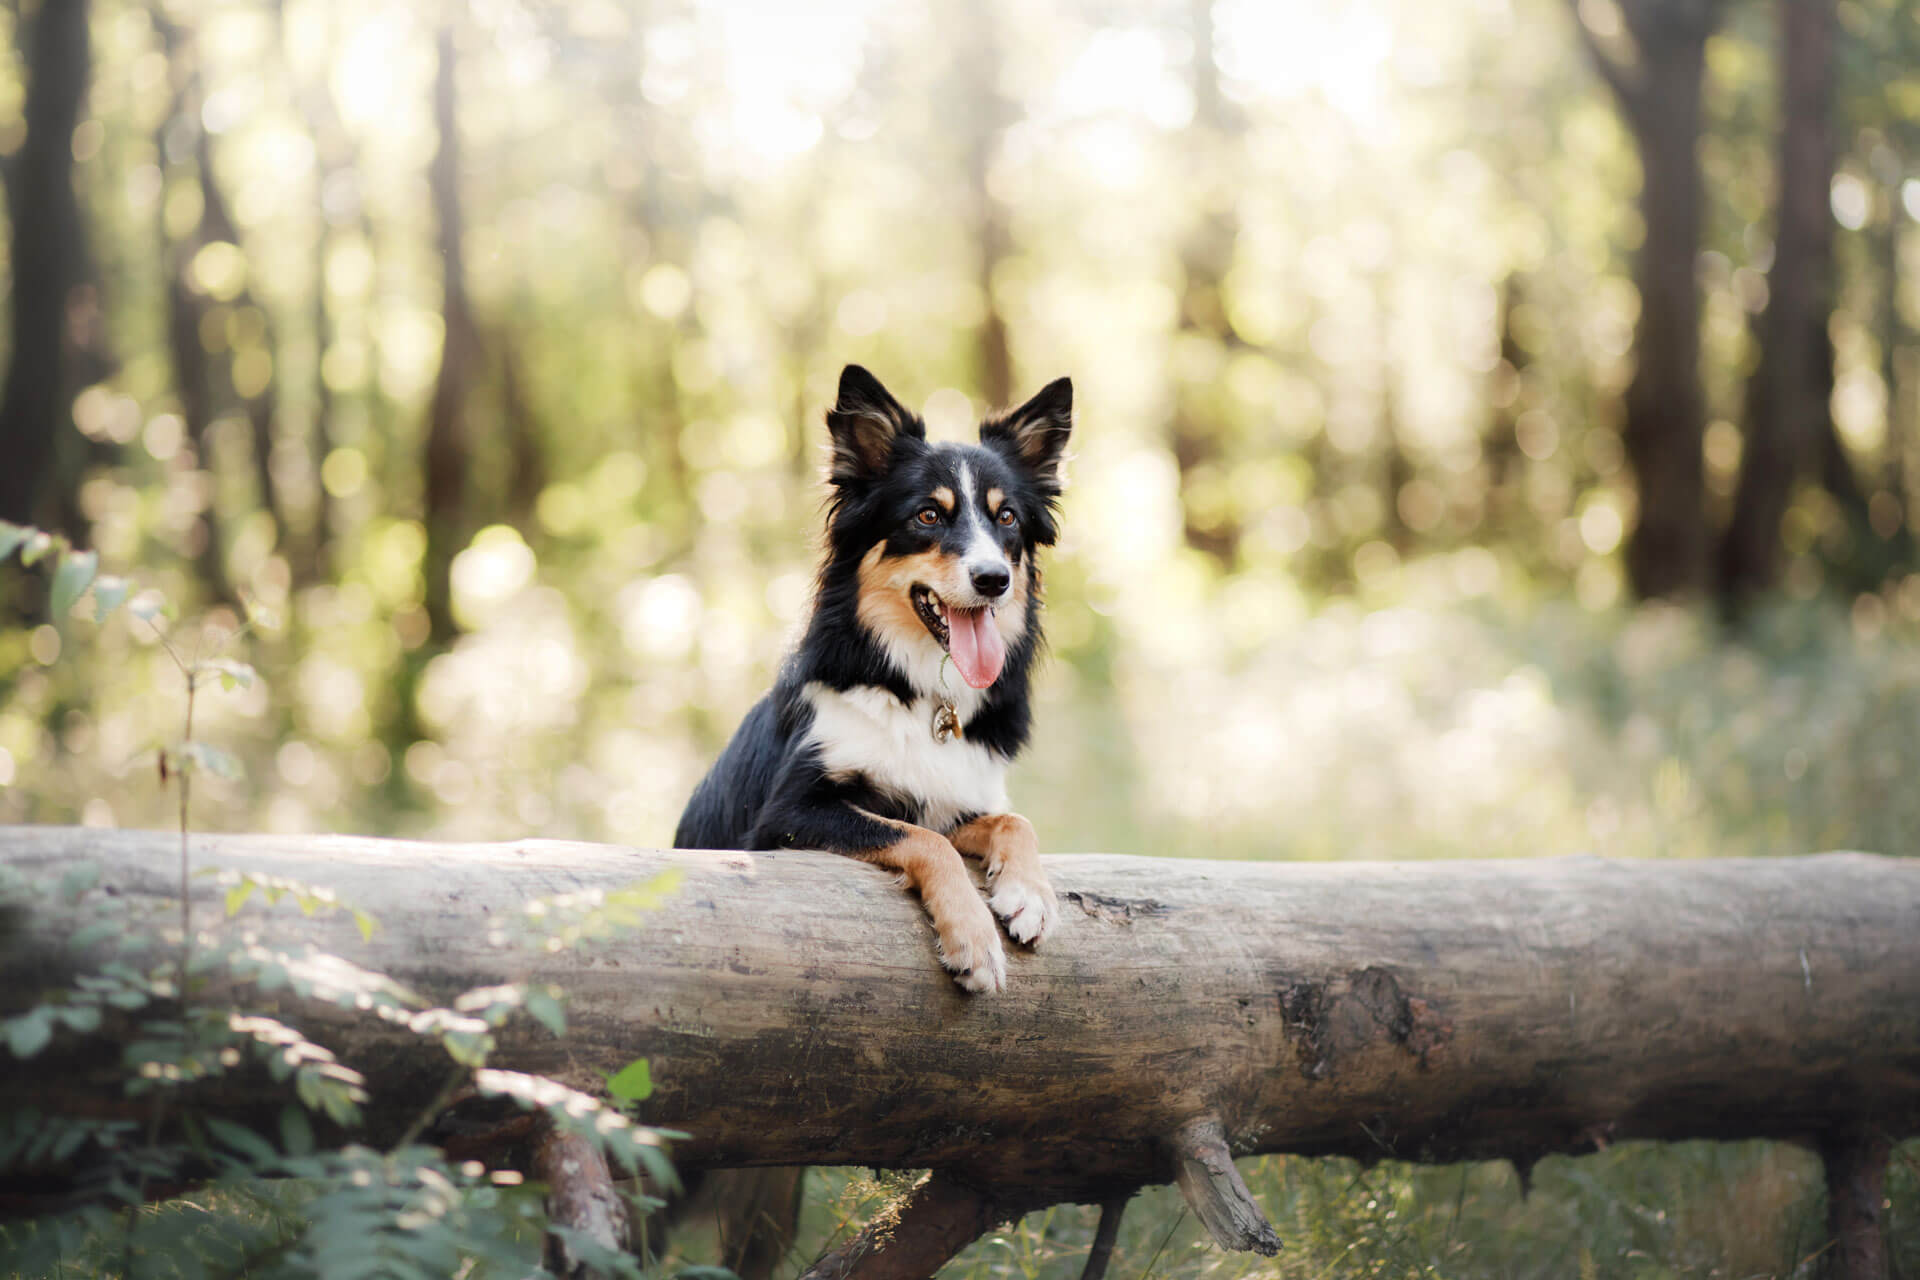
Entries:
{"x":1215,"y":1191}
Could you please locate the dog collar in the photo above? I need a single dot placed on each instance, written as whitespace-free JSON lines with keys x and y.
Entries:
{"x":946,"y":721}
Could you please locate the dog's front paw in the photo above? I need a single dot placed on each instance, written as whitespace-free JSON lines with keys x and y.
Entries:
{"x":970,"y":947}
{"x":1026,"y":903}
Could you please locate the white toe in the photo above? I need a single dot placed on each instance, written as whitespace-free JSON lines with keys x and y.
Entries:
{"x":1029,"y":910}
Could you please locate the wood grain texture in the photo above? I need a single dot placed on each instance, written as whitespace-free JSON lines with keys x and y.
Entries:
{"x":794,"y":1012}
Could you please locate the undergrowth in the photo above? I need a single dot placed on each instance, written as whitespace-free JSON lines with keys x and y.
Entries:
{"x":291,"y":1197}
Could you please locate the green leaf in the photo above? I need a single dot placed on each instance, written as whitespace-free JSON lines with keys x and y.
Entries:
{"x":364,"y":923}
{"x":631,"y":1083}
{"x":70,"y":579}
{"x":36,"y":546}
{"x":29,"y":1033}
{"x":12,"y":537}
{"x":92,"y":935}
{"x":545,"y":1006}
{"x":77,"y":879}
{"x":84,"y":1018}
{"x":296,"y":1131}
{"x":233,"y":675}
{"x":243,"y":1140}
{"x":109,"y":593}
{"x":207,"y":758}
{"x":468,"y":1048}
{"x":237,"y":897}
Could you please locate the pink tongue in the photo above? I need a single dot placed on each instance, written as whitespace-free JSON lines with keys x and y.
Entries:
{"x":976,"y":646}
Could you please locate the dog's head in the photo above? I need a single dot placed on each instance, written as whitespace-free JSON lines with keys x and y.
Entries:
{"x":944,"y":534}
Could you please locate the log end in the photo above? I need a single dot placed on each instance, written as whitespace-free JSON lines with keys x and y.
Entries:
{"x":1203,"y":1166}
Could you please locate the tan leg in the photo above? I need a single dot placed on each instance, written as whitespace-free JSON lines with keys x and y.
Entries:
{"x":1022,"y":896}
{"x":969,"y":942}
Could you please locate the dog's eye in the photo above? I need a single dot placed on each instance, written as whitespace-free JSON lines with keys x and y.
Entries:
{"x":927,"y":516}
{"x":1007,"y":518}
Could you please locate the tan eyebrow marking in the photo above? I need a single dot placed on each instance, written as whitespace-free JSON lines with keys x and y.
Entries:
{"x":994,"y":498}
{"x":944,"y":496}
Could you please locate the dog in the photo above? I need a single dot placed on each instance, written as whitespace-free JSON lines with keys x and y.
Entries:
{"x":888,"y":733}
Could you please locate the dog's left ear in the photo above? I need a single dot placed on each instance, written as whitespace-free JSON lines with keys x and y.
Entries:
{"x":1035,"y":434}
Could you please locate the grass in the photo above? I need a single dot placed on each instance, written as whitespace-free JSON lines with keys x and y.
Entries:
{"x":1645,"y":1211}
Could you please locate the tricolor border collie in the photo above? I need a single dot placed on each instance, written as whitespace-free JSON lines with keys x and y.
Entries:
{"x":888,"y":734}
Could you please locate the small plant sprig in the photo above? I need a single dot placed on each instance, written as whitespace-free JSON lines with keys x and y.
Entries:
{"x":404,"y":1211}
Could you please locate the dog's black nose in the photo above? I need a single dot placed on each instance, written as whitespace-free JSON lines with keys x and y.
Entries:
{"x":991,"y":583}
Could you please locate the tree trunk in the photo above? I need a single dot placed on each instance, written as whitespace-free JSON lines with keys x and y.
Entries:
{"x":190,"y":364}
{"x":1787,"y":414}
{"x":1893,"y":340}
{"x":526,"y":454}
{"x":986,"y":113}
{"x":262,"y":407}
{"x":45,"y":259}
{"x":1210,"y":524}
{"x":445,"y":494}
{"x":1422,"y":1011}
{"x":1659,"y":99}
{"x":1665,"y":410}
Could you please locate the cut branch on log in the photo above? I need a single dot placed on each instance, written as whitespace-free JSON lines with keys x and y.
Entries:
{"x":793,"y":1012}
{"x":1204,"y":1168}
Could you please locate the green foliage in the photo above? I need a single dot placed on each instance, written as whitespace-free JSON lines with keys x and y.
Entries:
{"x":406,"y":1213}
{"x":632,"y":1083}
{"x":73,"y":573}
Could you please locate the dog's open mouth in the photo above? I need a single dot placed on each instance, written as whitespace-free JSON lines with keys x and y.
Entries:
{"x":968,"y":635}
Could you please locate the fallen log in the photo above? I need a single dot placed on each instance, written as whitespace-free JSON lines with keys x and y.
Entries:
{"x":793,"y":1011}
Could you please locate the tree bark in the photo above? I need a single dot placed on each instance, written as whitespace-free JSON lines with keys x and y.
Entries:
{"x":987,"y":112}
{"x":45,"y":261}
{"x":189,"y":364}
{"x":914,"y":1237}
{"x":581,"y":1197}
{"x":1856,"y":1165}
{"x":1659,"y":98}
{"x":1206,"y":255}
{"x":1788,"y":420}
{"x":1893,"y":338}
{"x":445,"y":470}
{"x":793,"y":1012}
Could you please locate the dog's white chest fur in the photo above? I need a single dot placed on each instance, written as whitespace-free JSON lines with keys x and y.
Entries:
{"x":867,"y":731}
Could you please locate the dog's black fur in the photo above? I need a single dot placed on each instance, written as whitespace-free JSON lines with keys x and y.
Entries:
{"x":770,"y":788}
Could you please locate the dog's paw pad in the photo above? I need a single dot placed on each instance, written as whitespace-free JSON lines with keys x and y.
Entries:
{"x":1028,"y":907}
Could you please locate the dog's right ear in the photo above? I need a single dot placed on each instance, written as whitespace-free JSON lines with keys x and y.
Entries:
{"x":865,"y":423}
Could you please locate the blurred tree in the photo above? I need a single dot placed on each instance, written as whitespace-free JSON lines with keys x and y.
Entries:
{"x":1656,"y":82}
{"x":987,"y":112}
{"x":340,"y":202}
{"x":1788,"y":425}
{"x":1878,"y":81}
{"x":1206,"y":255}
{"x":526,"y":454}
{"x":1891,"y":171}
{"x":445,"y":481}
{"x":57,"y":323}
{"x":212,"y":309}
